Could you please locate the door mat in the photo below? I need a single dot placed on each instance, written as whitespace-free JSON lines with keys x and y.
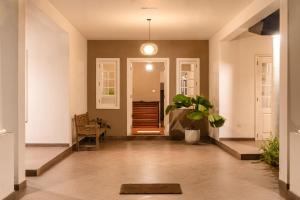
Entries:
{"x":153,"y":188}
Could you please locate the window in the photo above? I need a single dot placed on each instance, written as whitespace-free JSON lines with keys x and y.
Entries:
{"x":107,"y":83}
{"x":188,"y":74}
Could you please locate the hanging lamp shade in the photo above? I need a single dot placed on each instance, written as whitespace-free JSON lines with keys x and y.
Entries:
{"x":149,"y":48}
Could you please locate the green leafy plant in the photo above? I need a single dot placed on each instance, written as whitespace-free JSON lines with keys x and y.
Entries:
{"x":102,"y":123}
{"x":270,"y":153}
{"x":199,"y":109}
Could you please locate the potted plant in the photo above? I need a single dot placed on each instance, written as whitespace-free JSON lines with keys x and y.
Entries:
{"x":103,"y":124}
{"x":198,"y":109}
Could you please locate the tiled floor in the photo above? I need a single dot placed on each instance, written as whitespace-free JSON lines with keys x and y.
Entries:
{"x":35,"y":157}
{"x":204,"y":171}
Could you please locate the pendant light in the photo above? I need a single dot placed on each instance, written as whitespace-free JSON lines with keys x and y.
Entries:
{"x":149,"y":48}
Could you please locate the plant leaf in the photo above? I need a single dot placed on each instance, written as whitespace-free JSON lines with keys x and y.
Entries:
{"x":182,"y":101}
{"x":170,"y":108}
{"x":202,"y":108}
{"x":216,"y":121}
{"x":271,"y":152}
{"x":203,"y":101}
{"x":195,"y":115}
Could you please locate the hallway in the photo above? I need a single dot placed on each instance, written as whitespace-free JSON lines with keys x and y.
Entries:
{"x":204,"y":172}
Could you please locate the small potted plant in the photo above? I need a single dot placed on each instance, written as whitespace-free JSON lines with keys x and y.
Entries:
{"x":198,"y":109}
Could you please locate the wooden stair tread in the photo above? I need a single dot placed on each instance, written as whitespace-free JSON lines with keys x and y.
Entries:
{"x":145,"y":114}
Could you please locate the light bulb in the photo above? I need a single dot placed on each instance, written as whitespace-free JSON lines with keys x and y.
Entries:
{"x":149,"y":67}
{"x":149,"y":49}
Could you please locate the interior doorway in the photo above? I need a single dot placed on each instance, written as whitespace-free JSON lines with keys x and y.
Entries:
{"x":147,"y":96}
{"x":264,"y":85}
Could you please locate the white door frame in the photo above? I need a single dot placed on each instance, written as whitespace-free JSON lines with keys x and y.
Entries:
{"x":166,"y":62}
{"x":257,"y":135}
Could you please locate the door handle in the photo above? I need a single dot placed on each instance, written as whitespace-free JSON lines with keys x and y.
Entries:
{"x":2,"y":131}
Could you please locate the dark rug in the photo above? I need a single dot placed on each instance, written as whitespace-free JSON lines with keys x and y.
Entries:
{"x":154,"y":188}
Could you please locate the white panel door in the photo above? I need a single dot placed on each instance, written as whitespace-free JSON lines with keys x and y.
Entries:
{"x":264,"y":97}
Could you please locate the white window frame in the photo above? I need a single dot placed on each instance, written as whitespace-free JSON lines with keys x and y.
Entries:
{"x":179,"y":62}
{"x":99,"y":62}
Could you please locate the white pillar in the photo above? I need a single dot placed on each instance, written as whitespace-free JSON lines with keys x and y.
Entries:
{"x":283,"y":130}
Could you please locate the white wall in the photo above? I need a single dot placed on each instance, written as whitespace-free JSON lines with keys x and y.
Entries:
{"x":48,"y":79}
{"x":77,"y":58}
{"x":12,"y":80}
{"x":7,"y":164}
{"x":283,"y":119}
{"x":256,"y":11}
{"x":1,"y":85}
{"x":76,"y":69}
{"x":293,"y":94}
{"x":237,"y":78}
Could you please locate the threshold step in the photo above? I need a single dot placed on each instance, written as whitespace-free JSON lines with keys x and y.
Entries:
{"x":148,"y":137}
{"x":242,"y":150}
{"x":39,"y":159}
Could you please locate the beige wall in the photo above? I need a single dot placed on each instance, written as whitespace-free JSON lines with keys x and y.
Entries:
{"x":130,"y":49}
{"x":146,"y":85}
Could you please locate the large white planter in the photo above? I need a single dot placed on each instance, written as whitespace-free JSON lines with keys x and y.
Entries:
{"x":192,"y":136}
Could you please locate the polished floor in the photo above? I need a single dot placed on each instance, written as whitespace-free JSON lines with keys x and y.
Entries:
{"x":204,"y":171}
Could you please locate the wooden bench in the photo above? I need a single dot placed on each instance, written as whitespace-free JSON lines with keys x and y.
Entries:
{"x":88,"y":129}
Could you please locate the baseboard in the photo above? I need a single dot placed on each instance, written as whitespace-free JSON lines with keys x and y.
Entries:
{"x":237,"y":139}
{"x":20,"y":186}
{"x":11,"y":196}
{"x":46,"y":144}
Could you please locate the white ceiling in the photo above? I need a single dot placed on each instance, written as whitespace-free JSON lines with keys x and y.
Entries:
{"x":171,"y":19}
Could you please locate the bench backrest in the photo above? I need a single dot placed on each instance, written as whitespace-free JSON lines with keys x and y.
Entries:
{"x":81,"y":121}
